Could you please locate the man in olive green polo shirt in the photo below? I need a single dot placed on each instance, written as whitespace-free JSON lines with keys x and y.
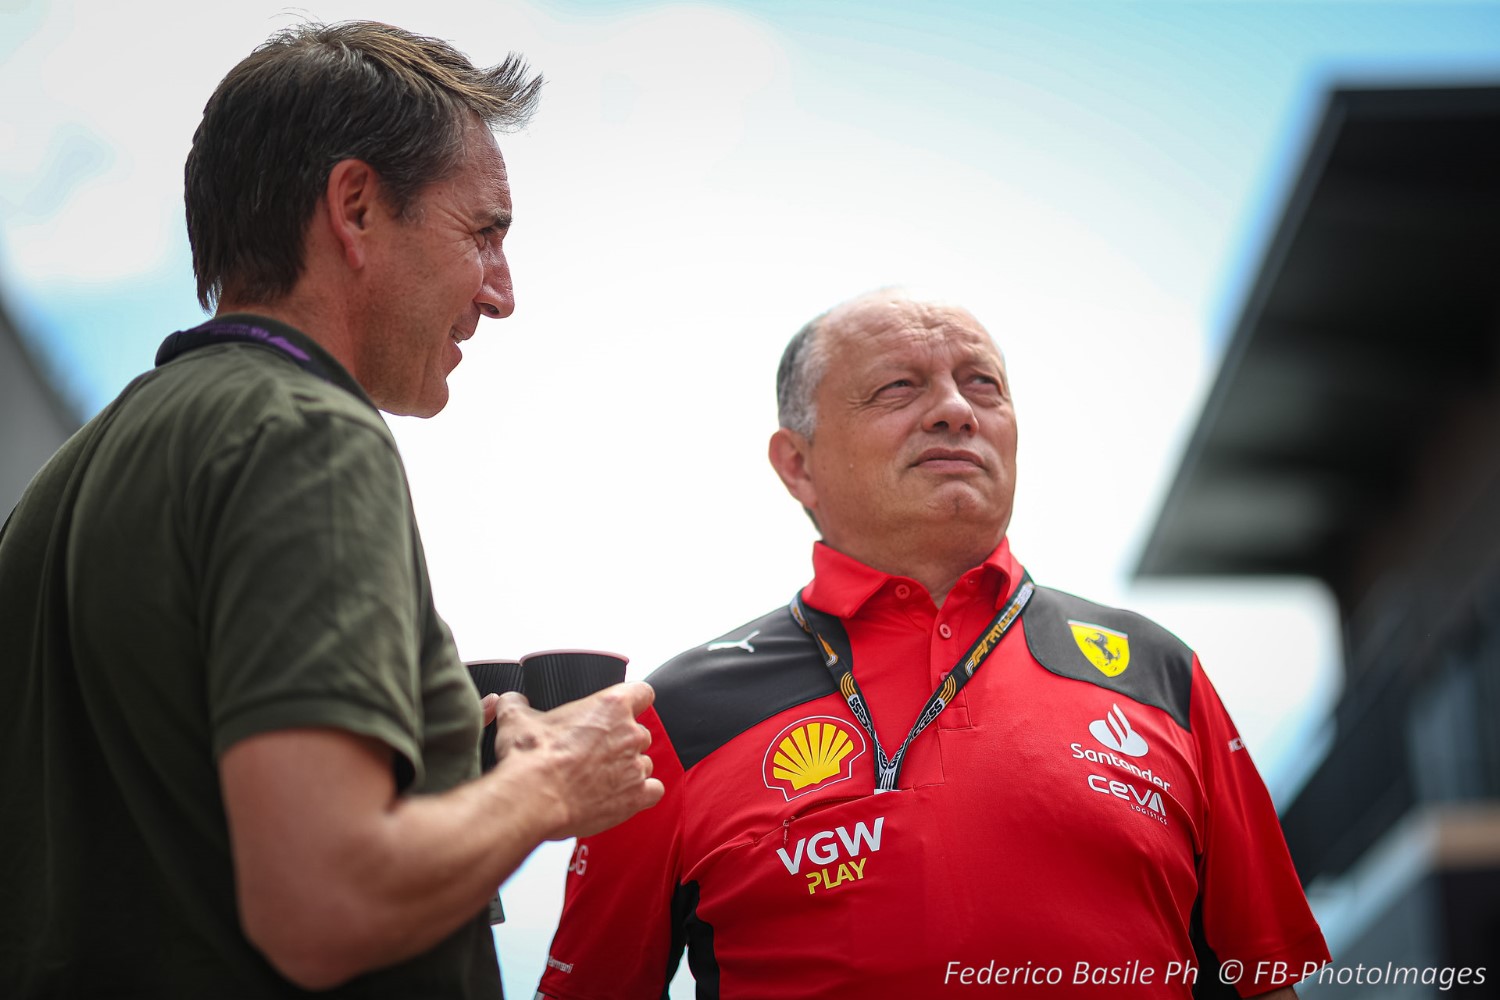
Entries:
{"x":238,"y":752}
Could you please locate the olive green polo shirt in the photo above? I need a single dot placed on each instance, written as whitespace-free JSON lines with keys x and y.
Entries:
{"x":227,"y":549}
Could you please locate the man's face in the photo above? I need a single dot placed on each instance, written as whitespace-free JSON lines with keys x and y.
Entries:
{"x":436,"y":272}
{"x":915,"y":430}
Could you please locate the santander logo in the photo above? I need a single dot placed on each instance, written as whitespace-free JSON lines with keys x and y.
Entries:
{"x":1114,"y":732}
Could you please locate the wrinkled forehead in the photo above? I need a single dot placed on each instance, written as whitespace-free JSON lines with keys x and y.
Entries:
{"x":484,"y":161}
{"x":874,"y":325}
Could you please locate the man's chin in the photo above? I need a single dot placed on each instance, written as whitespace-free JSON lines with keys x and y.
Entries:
{"x":962,"y":496}
{"x":430,"y":405}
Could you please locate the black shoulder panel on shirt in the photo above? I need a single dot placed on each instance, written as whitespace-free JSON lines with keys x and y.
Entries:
{"x":1158,"y":667}
{"x":709,"y":695}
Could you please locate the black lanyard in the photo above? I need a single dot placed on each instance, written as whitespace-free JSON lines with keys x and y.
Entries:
{"x":818,"y":624}
{"x":220,"y":332}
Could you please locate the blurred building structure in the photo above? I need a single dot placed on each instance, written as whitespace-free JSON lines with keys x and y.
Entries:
{"x":1353,"y":435}
{"x":34,"y":419}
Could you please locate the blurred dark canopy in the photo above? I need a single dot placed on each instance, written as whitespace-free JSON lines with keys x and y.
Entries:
{"x":1374,"y":314}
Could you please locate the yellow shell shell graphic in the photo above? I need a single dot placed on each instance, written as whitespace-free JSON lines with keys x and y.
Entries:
{"x":811,"y":753}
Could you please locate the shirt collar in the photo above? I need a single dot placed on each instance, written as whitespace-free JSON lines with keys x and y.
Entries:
{"x":276,"y":335}
{"x":842,"y":584}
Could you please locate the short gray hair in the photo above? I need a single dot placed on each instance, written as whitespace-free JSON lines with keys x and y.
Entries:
{"x":803,"y":365}
{"x":805,"y":360}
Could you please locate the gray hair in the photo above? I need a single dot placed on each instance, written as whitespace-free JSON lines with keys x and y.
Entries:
{"x":803,"y":365}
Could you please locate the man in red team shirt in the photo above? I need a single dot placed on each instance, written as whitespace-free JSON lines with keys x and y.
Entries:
{"x":928,"y":772}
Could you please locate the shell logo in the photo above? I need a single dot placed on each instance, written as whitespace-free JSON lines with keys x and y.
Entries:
{"x":810,"y":753}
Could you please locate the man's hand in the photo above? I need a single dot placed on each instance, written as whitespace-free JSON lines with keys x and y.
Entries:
{"x":588,"y":755}
{"x":337,"y":874}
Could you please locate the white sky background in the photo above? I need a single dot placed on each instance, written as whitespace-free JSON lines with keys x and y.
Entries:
{"x":1096,"y":182}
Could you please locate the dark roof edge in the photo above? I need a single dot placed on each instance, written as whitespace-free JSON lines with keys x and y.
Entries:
{"x":1296,"y":203}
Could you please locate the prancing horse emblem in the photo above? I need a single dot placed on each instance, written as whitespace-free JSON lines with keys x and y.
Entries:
{"x":1106,"y":649}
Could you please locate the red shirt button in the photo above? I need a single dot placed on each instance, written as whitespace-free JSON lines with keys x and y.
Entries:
{"x":903,"y":591}
{"x":945,"y":631}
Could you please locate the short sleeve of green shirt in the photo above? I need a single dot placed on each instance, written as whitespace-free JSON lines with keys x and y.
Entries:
{"x":310,"y":583}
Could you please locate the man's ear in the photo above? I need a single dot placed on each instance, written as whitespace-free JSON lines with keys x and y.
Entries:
{"x":350,"y":203}
{"x":789,"y":457}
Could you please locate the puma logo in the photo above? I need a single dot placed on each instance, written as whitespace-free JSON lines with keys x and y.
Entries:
{"x":741,"y":644}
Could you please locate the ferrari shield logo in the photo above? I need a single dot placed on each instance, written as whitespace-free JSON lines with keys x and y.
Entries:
{"x":1106,"y":649}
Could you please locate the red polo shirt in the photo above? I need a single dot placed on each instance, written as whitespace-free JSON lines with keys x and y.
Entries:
{"x":1054,"y":830}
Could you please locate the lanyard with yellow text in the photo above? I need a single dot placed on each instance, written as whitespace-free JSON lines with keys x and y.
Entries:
{"x":821,"y":626}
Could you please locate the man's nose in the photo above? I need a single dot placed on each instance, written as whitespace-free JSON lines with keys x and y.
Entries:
{"x":496,"y":298}
{"x":949,"y":409}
